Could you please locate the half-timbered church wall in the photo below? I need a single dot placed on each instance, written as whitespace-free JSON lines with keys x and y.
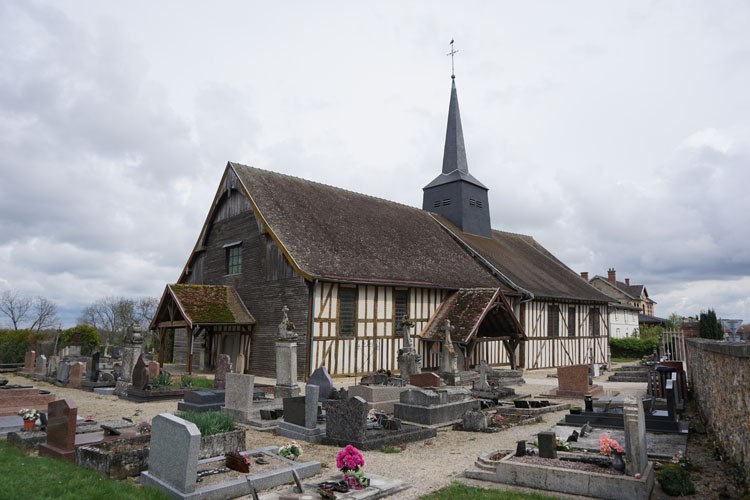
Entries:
{"x":265,"y":282}
{"x":376,"y":339}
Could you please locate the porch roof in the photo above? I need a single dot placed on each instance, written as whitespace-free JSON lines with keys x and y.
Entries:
{"x":192,"y":305}
{"x":473,"y":311}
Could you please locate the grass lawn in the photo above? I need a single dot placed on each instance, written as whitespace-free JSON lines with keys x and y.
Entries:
{"x":458,"y":491}
{"x":625,"y":360}
{"x":46,"y":478}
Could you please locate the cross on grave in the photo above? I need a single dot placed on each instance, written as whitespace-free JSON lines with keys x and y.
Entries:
{"x":447,"y":341}
{"x":286,"y":327}
{"x":405,"y":325}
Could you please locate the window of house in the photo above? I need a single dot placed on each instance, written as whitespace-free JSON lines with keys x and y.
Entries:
{"x":571,"y":322}
{"x":594,"y":322}
{"x":553,"y":321}
{"x":347,"y":311}
{"x":400,"y":308}
{"x":234,"y":258}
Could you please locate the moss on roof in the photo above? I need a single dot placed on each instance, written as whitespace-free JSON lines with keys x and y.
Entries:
{"x":211,"y":304}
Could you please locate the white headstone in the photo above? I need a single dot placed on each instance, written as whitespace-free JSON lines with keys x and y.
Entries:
{"x":635,"y":437}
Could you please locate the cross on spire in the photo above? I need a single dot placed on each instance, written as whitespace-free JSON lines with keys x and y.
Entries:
{"x":452,"y":53}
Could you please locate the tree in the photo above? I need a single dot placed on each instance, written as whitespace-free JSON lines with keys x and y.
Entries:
{"x":709,"y":327}
{"x":15,"y":306}
{"x":44,"y":313}
{"x":675,"y":321}
{"x":145,"y":308}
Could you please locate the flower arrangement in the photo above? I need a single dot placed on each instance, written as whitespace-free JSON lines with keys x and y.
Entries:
{"x":497,"y":419}
{"x":144,"y":428}
{"x":89,"y":417}
{"x":239,"y":456}
{"x":292,"y":451}
{"x":350,"y":462}
{"x":27,"y":414}
{"x":372,"y":415}
{"x":607,"y":445}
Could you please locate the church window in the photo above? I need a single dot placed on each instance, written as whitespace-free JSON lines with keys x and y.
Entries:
{"x":571,"y":322}
{"x":400,"y":308}
{"x":233,"y":258}
{"x":347,"y":311}
{"x":553,"y":321}
{"x":594,"y":322}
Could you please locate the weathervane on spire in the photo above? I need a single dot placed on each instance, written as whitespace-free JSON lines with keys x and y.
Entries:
{"x":452,"y":53}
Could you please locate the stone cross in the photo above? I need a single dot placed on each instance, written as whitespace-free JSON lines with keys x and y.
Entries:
{"x":447,"y":341}
{"x":406,"y":324}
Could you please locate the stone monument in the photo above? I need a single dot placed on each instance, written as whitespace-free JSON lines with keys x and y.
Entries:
{"x":286,"y":359}
{"x":130,"y":353}
{"x":409,"y":360}
{"x":449,"y":359}
{"x":238,"y":397}
{"x":223,"y":366}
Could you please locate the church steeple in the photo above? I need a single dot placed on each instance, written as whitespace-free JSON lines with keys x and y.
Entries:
{"x":455,"y":193}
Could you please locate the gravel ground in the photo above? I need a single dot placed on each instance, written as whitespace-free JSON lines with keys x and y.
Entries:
{"x":426,"y":466}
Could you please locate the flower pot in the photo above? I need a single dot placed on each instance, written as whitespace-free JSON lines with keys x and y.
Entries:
{"x":28,"y":424}
{"x":236,"y":463}
{"x":618,"y":463}
{"x":575,"y":410}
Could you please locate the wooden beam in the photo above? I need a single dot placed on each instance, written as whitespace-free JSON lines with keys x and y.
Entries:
{"x":171,"y":324}
{"x":162,"y":337}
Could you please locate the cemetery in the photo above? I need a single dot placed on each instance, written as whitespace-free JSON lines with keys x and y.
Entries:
{"x":576,"y":433}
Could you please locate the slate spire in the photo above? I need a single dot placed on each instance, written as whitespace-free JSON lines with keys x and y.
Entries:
{"x":455,"y":193}
{"x":454,"y":154}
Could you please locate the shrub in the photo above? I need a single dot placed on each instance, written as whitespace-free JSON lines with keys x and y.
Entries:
{"x":675,"y":481}
{"x":632,"y":347}
{"x":649,"y":331}
{"x":187,"y":381}
{"x":89,"y":338}
{"x":209,"y":422}
{"x":14,"y":344}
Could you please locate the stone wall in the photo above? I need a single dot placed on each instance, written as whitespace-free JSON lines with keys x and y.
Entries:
{"x":719,"y":373}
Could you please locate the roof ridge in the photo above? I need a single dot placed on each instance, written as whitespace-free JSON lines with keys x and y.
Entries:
{"x":326,"y":185}
{"x":514,"y":234}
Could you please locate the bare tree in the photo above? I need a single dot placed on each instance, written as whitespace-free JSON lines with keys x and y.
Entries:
{"x":44,"y":313}
{"x":145,"y":308}
{"x":89,"y":316}
{"x":15,"y":306}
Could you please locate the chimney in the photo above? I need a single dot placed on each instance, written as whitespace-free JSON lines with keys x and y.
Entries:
{"x":585,"y":275}
{"x":627,"y":281}
{"x":611,"y":274}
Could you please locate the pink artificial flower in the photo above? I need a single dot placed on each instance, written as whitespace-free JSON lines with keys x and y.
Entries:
{"x":89,"y":416}
{"x":357,"y":486}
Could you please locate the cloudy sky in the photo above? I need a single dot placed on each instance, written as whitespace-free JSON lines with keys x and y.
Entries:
{"x":615,"y":133}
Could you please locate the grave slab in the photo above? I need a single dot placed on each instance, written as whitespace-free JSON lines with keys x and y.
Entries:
{"x":380,"y":487}
{"x":434,"y":406}
{"x":659,"y":446}
{"x":202,"y":400}
{"x":379,"y":396}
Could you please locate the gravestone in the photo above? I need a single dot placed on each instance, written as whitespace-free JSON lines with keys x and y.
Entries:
{"x":173,"y":455}
{"x":238,"y":397}
{"x":347,"y":420}
{"x":434,"y":406}
{"x":140,"y":374}
{"x":547,"y":444}
{"x":474,"y":421}
{"x":484,"y":371}
{"x":153,"y":370}
{"x":380,"y":397}
{"x":573,"y":382}
{"x":240,"y":368}
{"x":28,"y":362}
{"x":409,"y":360}
{"x":130,"y":352}
{"x":635,"y":438}
{"x":223,"y":366}
{"x":52,"y":367}
{"x":40,"y":370}
{"x":61,"y":430}
{"x":427,"y":379}
{"x":322,"y":379}
{"x":521,"y":449}
{"x":63,"y":372}
{"x":76,"y":375}
{"x":94,"y":375}
{"x":301,"y":421}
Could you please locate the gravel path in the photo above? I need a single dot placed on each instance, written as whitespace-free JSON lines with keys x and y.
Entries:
{"x":426,"y":466}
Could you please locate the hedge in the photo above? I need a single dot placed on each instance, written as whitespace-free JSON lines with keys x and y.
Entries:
{"x":14,"y":344}
{"x":632,"y":347}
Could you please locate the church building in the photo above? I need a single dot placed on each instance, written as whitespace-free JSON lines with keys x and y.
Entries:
{"x":350,"y":266}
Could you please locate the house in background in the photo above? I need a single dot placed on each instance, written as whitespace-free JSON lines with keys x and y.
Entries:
{"x":631,"y":307}
{"x":350,"y":266}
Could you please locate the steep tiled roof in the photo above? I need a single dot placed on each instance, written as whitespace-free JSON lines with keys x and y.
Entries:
{"x":633,"y":291}
{"x":466,"y":309}
{"x":529,"y":265}
{"x":338,"y":234}
{"x":210,"y":304}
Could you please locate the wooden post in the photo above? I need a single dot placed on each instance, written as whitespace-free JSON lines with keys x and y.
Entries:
{"x":162,"y":339}
{"x":190,"y":350}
